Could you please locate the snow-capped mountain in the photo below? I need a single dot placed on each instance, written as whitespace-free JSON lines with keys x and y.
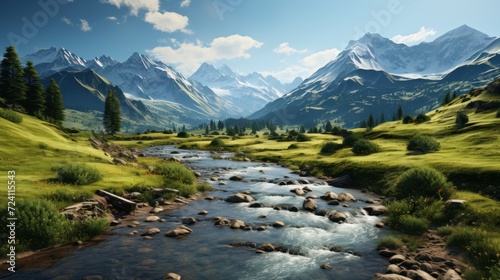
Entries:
{"x":375,"y":75}
{"x":250,"y":93}
{"x":145,"y":78}
{"x":101,"y":62}
{"x":50,"y":61}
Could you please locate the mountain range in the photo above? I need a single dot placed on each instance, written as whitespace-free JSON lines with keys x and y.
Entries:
{"x":375,"y":75}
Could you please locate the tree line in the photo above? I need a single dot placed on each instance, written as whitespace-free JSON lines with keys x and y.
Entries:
{"x":21,"y":90}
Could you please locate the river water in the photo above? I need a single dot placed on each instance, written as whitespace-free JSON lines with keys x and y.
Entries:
{"x":210,"y":251}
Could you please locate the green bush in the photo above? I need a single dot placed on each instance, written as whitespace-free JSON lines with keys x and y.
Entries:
{"x":39,"y":223}
{"x":389,"y":242}
{"x":217,"y":143}
{"x":303,"y":138}
{"x":331,"y":147}
{"x":205,"y":187}
{"x":350,"y":140}
{"x":85,"y":229}
{"x":444,"y":230}
{"x":365,"y":147}
{"x":168,"y":131}
{"x":293,"y":146}
{"x":182,"y":134}
{"x":11,"y":116}
{"x":421,"y":118}
{"x":77,"y":174}
{"x":175,"y":172}
{"x":423,"y":182}
{"x":461,"y":119}
{"x":423,"y":144}
{"x":408,"y":119}
{"x":412,"y":225}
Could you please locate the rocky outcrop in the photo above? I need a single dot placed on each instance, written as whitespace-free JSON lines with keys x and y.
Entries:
{"x":239,"y":197}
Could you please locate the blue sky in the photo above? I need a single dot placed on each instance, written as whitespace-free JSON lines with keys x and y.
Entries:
{"x":286,"y":38}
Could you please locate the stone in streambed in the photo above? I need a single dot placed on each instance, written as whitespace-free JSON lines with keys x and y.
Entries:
{"x":239,"y":197}
{"x":309,"y":205}
{"x":151,"y":231}
{"x":179,"y":231}
{"x":172,"y":276}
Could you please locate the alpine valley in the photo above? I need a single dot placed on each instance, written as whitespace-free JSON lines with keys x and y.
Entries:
{"x":373,"y":75}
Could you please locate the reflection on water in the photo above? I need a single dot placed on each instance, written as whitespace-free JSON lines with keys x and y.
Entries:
{"x":206,"y":253}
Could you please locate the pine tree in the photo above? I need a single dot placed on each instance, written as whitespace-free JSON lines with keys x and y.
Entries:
{"x":220,"y":125}
{"x":206,"y":130}
{"x":362,"y":124}
{"x":183,"y":128}
{"x":254,"y":128}
{"x":382,"y":117}
{"x":328,"y":127}
{"x":12,"y":86}
{"x":447,"y":98}
{"x":454,"y":95}
{"x":35,"y":99}
{"x":370,"y":123}
{"x":112,"y":113}
{"x":54,"y":105}
{"x":400,"y":112}
{"x":174,"y":129}
{"x":302,"y":129}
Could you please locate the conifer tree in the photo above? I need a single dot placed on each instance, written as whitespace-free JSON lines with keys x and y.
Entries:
{"x":400,"y":112}
{"x":382,"y":118}
{"x":328,"y":127}
{"x":54,"y":105}
{"x":370,"y":123}
{"x":12,"y":86}
{"x":112,"y":113}
{"x":35,"y":96}
{"x":454,"y":95}
{"x":447,"y":98}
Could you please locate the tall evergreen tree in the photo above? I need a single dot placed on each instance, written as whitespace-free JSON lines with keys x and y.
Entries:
{"x":454,"y":95}
{"x":254,"y":128}
{"x":112,"y":113}
{"x":35,"y":99}
{"x":447,"y":98}
{"x":12,"y":86}
{"x":370,"y":123}
{"x":206,"y":130}
{"x":54,"y":105}
{"x":400,"y":112}
{"x":183,"y":128}
{"x":328,"y":127}
{"x":382,"y":117}
{"x":220,"y":125}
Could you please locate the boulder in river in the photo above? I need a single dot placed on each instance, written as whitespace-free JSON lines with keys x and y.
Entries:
{"x":179,"y":231}
{"x":189,"y":221}
{"x":237,"y":224}
{"x":239,"y":197}
{"x":172,"y":276}
{"x":329,"y":195}
{"x":236,"y":178}
{"x":375,"y":210}
{"x":346,"y":197}
{"x":278,"y":224}
{"x":298,"y":191}
{"x":151,"y":231}
{"x":267,"y":247}
{"x":337,"y":217}
{"x":309,"y":205}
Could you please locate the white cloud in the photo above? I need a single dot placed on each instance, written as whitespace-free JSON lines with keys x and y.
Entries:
{"x":113,"y":18}
{"x":284,"y":48}
{"x":189,"y":56}
{"x":185,"y":3}
{"x":136,"y":5}
{"x":66,"y":20}
{"x":306,"y":66}
{"x":84,"y":25}
{"x":168,"y":21}
{"x":412,"y":39}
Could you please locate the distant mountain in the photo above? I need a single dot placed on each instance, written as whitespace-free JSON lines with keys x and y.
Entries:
{"x":249,"y":93}
{"x":53,"y":60}
{"x":376,"y":75}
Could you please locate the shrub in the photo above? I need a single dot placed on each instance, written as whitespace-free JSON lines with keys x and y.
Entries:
{"x":182,"y":134}
{"x":39,"y":223}
{"x":445,"y":230}
{"x":408,"y":119}
{"x":217,"y":142}
{"x":168,"y":131}
{"x":421,"y":118}
{"x":423,"y":182}
{"x":176,"y":172}
{"x":389,"y":242}
{"x":331,"y":147}
{"x":42,"y":146}
{"x":11,"y":116}
{"x":77,"y":174}
{"x":293,"y":146}
{"x":350,"y":140}
{"x":365,"y":147}
{"x":303,"y":138}
{"x":423,"y":144}
{"x":184,"y":189}
{"x":85,"y":229}
{"x":215,"y":133}
{"x":411,"y":225}
{"x":461,"y":119}
{"x":204,"y":187}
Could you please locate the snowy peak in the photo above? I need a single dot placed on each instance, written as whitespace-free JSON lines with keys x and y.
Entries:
{"x":462,"y":32}
{"x":141,"y":60}
{"x":101,"y":62}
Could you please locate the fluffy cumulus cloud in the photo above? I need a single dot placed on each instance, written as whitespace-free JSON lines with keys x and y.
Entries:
{"x":185,"y":3}
{"x":136,"y":5}
{"x":168,"y":21}
{"x":66,"y":20}
{"x":189,"y":56}
{"x":306,"y":66}
{"x":412,"y":39}
{"x":284,"y":48}
{"x":84,"y":25}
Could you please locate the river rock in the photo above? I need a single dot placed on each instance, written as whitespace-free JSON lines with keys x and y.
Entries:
{"x":386,"y":253}
{"x":451,"y":275}
{"x":189,"y":221}
{"x":197,"y":174}
{"x":239,"y":197}
{"x":419,"y":275}
{"x":172,"y":276}
{"x":220,"y":221}
{"x":278,"y":224}
{"x":329,"y":195}
{"x":237,"y":224}
{"x":179,"y":231}
{"x":298,"y":191}
{"x":151,"y":231}
{"x":337,"y":217}
{"x":152,"y":219}
{"x":307,"y":189}
{"x":346,"y":197}
{"x":333,"y":202}
{"x":380,"y":224}
{"x":397,"y":259}
{"x":260,"y":228}
{"x":309,"y":205}
{"x":293,"y":209}
{"x":393,"y":269}
{"x":215,"y":179}
{"x":379,"y":276}
{"x":325,"y":266}
{"x":236,"y":178}
{"x":262,"y":216}
{"x":267,"y":247}
{"x":312,"y":196}
{"x":375,"y":210}
{"x":203,"y":212}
